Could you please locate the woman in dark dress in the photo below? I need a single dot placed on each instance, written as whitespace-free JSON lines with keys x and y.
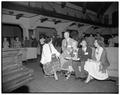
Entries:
{"x":84,"y":53}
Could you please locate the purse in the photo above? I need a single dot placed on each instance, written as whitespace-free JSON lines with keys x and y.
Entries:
{"x":53,"y":57}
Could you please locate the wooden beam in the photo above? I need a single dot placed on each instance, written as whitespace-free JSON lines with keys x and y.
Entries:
{"x":13,"y":6}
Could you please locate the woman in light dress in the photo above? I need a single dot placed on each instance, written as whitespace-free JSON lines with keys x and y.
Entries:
{"x":84,"y":53}
{"x":97,"y":67}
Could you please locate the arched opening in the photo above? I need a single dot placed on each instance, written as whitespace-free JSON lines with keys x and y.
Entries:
{"x":11,"y":31}
{"x":44,"y":31}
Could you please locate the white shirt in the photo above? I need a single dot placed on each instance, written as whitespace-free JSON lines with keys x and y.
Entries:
{"x":46,"y":53}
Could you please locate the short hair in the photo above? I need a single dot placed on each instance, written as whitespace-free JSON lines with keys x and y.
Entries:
{"x":100,"y":42}
{"x":66,"y":32}
{"x":91,"y":34}
{"x":83,"y":39}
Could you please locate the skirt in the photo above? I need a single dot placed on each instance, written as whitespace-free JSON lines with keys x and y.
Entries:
{"x":51,"y":67}
{"x":64,"y":62}
{"x":92,"y":67}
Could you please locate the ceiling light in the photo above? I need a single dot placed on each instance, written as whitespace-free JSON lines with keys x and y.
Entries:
{"x":72,"y":24}
{"x":43,"y":20}
{"x":63,"y":4}
{"x":18,"y":16}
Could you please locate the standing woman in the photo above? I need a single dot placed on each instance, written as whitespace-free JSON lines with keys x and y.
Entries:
{"x":97,"y":67}
{"x":5,"y":43}
{"x":17,"y":43}
{"x":48,"y":53}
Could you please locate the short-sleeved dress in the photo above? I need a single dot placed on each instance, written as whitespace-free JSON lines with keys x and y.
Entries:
{"x":93,"y":67}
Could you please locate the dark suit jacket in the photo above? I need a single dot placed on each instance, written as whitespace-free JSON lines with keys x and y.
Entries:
{"x":82,"y":55}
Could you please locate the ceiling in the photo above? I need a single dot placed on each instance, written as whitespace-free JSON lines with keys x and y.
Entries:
{"x":30,"y":10}
{"x":94,"y":6}
{"x":97,"y":7}
{"x":15,"y":12}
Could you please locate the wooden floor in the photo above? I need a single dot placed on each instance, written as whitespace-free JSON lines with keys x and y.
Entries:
{"x":42,"y":84}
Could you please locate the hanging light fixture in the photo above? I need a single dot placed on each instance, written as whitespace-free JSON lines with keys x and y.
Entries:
{"x":43,"y":20}
{"x":18,"y":16}
{"x":79,"y":25}
{"x":56,"y":21}
{"x":72,"y":24}
{"x":84,"y":8}
{"x":63,"y":4}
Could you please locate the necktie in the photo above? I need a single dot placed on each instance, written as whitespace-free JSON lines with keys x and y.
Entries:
{"x":66,"y":43}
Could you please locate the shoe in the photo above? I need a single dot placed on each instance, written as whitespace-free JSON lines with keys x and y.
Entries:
{"x":68,"y":73}
{"x":77,"y":78}
{"x":48,"y":75}
{"x":73,"y":74}
{"x":67,"y":76}
{"x":87,"y":81}
{"x":83,"y":79}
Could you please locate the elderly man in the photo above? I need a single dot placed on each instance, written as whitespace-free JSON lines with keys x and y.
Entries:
{"x":90,"y":40}
{"x":68,"y":45}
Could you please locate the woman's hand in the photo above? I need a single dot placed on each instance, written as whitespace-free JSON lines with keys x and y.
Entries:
{"x":101,"y":69}
{"x":90,"y":60}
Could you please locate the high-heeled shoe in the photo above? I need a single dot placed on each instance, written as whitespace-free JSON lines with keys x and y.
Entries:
{"x":87,"y":80}
{"x":68,"y":76}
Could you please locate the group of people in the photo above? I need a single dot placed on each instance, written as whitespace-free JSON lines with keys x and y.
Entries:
{"x":113,"y":41}
{"x":109,"y":40}
{"x":32,"y":42}
{"x":87,"y":62}
{"x":90,"y":38}
{"x":14,"y":43}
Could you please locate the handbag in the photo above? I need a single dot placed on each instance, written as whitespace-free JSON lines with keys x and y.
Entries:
{"x":53,"y":57}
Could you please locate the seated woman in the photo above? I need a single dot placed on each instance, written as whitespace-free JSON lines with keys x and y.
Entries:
{"x":67,"y":48}
{"x":97,"y":67}
{"x":84,"y":53}
{"x":49,"y":53}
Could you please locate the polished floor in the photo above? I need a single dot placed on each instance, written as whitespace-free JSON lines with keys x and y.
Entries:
{"x":41,"y":84}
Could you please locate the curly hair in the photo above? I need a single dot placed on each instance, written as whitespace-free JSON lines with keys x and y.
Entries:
{"x":100,"y":42}
{"x":82,"y":39}
{"x":48,"y":39}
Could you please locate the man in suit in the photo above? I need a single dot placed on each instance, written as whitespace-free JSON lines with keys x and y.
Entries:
{"x":67,"y":48}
